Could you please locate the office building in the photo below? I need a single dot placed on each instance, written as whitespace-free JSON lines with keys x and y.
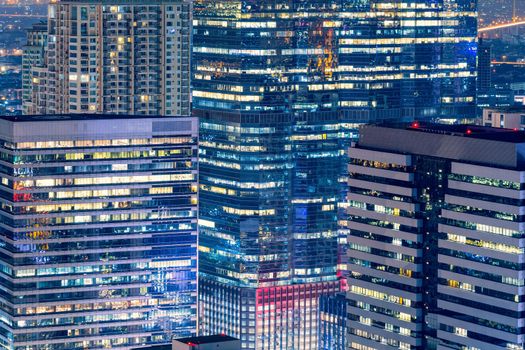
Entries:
{"x":271,"y":156}
{"x":280,"y":89}
{"x":435,"y":240}
{"x":34,"y":71}
{"x":508,"y":117}
{"x":372,"y":59}
{"x":500,"y":96}
{"x":98,"y":224}
{"x":406,"y":59}
{"x":117,"y":57}
{"x":268,"y":228}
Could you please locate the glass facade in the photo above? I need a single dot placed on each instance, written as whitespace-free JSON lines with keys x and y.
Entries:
{"x":435,"y":243}
{"x":98,"y":232}
{"x":271,"y":156}
{"x":370,"y":59}
{"x":268,"y":224}
{"x":280,"y":89}
{"x":408,"y":59}
{"x":332,"y":322}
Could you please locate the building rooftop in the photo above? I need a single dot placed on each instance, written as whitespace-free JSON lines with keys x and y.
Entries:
{"x":495,"y":147}
{"x":206,"y":339}
{"x":39,"y":26}
{"x":462,"y":130}
{"x":62,"y":117}
{"x":156,"y":347}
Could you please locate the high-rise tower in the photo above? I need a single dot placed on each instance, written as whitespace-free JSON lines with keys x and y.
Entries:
{"x":436,"y":232}
{"x":484,"y":82}
{"x":270,"y":161}
{"x":407,"y":59}
{"x":98,"y":231}
{"x":280,"y":88}
{"x":118,"y":57}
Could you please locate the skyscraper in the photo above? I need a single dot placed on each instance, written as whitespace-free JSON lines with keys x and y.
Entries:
{"x":435,"y":238}
{"x":372,"y":59}
{"x":118,"y":57}
{"x":484,"y":82}
{"x":280,"y":89}
{"x":270,"y":160}
{"x":407,"y":59}
{"x":98,"y":231}
{"x":485,"y":90}
{"x":268,"y":231}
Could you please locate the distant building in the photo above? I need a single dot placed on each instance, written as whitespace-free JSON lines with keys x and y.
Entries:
{"x":34,"y":70}
{"x":117,"y":57}
{"x":98,"y":231}
{"x":436,"y":233}
{"x":518,"y":89}
{"x":502,"y":95}
{"x":508,"y":117}
{"x":484,"y":81}
{"x":498,"y":96}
